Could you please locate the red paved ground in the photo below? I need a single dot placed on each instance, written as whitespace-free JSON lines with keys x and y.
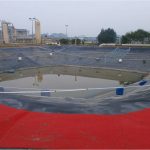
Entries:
{"x":25,"y":129}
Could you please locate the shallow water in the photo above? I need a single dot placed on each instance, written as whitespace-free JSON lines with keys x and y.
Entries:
{"x":54,"y":81}
{"x":67,"y":77}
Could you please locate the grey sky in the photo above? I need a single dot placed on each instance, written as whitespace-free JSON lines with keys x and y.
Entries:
{"x":84,"y":17}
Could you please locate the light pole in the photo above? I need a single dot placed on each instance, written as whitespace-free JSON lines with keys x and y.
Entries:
{"x":32,"y":19}
{"x":66,"y":30}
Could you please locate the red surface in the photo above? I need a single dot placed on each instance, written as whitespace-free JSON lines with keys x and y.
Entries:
{"x":25,"y":129}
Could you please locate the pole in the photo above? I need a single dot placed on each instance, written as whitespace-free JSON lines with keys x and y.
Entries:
{"x":32,"y":19}
{"x":32,"y":31}
{"x":66,"y":30}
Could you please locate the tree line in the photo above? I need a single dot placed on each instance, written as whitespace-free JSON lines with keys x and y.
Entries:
{"x":137,"y":36}
{"x":71,"y":41}
{"x":109,"y":36}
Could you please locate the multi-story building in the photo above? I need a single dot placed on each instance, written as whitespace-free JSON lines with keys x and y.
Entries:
{"x":37,"y":31}
{"x":13,"y":34}
{"x":22,"y":33}
{"x":9,"y":34}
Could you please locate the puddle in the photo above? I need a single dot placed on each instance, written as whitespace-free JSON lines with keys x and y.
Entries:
{"x":67,"y":78}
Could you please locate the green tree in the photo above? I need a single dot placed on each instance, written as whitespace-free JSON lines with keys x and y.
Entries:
{"x":107,"y":36}
{"x":76,"y":41}
{"x":126,"y":38}
{"x":136,"y":36}
{"x":64,"y":41}
{"x":140,"y":35}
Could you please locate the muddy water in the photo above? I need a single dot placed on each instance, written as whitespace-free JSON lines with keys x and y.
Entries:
{"x":57,"y":81}
{"x":68,"y":77}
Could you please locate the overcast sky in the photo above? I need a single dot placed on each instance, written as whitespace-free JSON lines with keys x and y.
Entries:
{"x":84,"y":17}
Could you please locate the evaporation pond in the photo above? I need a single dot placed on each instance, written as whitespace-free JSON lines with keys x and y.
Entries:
{"x":54,"y":81}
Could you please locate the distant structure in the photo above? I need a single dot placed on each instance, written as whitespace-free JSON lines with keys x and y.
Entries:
{"x":22,"y":33}
{"x":5,"y":34}
{"x":57,"y":36}
{"x":1,"y":36}
{"x":37,"y":31}
{"x":9,"y":34}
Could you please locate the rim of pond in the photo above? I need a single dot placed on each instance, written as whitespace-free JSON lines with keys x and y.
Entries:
{"x":90,"y":101}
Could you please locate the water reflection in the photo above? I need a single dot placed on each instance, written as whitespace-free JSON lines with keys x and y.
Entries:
{"x":39,"y":76}
{"x":75,"y":79}
{"x":68,"y":77}
{"x":53,"y":81}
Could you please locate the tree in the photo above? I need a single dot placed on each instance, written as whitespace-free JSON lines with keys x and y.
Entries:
{"x":107,"y":36}
{"x":64,"y":41}
{"x":136,"y":36}
{"x":140,"y":35}
{"x":76,"y":41}
{"x":126,"y":38}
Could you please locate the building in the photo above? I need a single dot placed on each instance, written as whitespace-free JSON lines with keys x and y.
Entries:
{"x":1,"y":36}
{"x":22,"y":33}
{"x":9,"y":34}
{"x":37,"y":31}
{"x":5,"y":33}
